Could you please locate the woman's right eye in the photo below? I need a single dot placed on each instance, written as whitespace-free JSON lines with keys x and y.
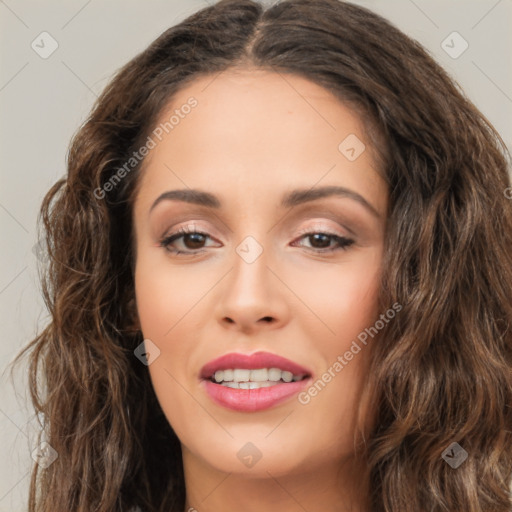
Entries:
{"x":191,"y":239}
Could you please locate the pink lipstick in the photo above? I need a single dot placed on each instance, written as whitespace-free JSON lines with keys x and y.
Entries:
{"x":249,"y":383}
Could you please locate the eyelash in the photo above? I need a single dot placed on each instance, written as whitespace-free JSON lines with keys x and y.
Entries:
{"x":343,"y":242}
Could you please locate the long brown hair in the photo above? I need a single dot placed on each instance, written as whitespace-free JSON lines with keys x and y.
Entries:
{"x":442,"y":369}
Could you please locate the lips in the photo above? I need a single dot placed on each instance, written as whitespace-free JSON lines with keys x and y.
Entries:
{"x":253,"y":399}
{"x":252,"y":362}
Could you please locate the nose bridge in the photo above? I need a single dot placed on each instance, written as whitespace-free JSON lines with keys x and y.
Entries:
{"x":249,"y":280}
{"x":252,"y":253}
{"x":251,"y":291}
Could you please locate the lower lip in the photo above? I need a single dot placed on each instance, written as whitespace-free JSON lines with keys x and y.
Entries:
{"x":251,"y":400}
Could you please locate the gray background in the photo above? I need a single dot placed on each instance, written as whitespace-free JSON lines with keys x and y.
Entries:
{"x":43,"y":102}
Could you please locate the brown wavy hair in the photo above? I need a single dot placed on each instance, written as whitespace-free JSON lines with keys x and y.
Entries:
{"x":441,"y":371}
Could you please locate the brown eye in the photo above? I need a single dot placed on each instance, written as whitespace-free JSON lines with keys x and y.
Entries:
{"x":321,"y":242}
{"x":195,"y":240}
{"x":187,"y":240}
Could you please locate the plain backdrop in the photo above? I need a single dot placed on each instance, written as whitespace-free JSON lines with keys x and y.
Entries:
{"x":43,"y":101}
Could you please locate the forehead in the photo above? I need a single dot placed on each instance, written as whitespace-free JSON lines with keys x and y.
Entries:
{"x":258,"y":108}
{"x":256,"y":130}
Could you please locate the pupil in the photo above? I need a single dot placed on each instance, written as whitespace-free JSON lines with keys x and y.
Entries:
{"x":196,"y":239}
{"x":317,"y":236}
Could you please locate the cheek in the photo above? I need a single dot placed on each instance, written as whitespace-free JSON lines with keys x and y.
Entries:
{"x":162,"y":304}
{"x":354,"y":306}
{"x":344,"y":299}
{"x":164,"y":296}
{"x":343,"y":296}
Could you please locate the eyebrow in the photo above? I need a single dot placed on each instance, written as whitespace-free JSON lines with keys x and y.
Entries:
{"x":289,"y":200}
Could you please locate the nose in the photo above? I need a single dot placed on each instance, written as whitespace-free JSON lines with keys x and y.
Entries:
{"x":252,"y":297}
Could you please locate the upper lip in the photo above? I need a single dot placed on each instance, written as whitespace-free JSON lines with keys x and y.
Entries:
{"x":251,"y":362}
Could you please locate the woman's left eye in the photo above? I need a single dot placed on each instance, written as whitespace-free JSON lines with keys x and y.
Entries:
{"x":324,"y":239}
{"x":192,"y":241}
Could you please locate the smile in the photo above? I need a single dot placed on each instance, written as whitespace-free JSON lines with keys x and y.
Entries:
{"x":254,"y":379}
{"x":250,"y":383}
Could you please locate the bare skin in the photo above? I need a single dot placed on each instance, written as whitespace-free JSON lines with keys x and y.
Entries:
{"x":253,"y":137}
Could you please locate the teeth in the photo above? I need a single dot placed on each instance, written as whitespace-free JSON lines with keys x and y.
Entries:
{"x":259,"y":375}
{"x":287,"y":376}
{"x":248,"y":385}
{"x":239,"y":378}
{"x":274,"y":374}
{"x":241,"y":375}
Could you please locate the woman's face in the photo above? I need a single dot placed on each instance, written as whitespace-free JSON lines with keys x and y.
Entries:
{"x":278,"y":265}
